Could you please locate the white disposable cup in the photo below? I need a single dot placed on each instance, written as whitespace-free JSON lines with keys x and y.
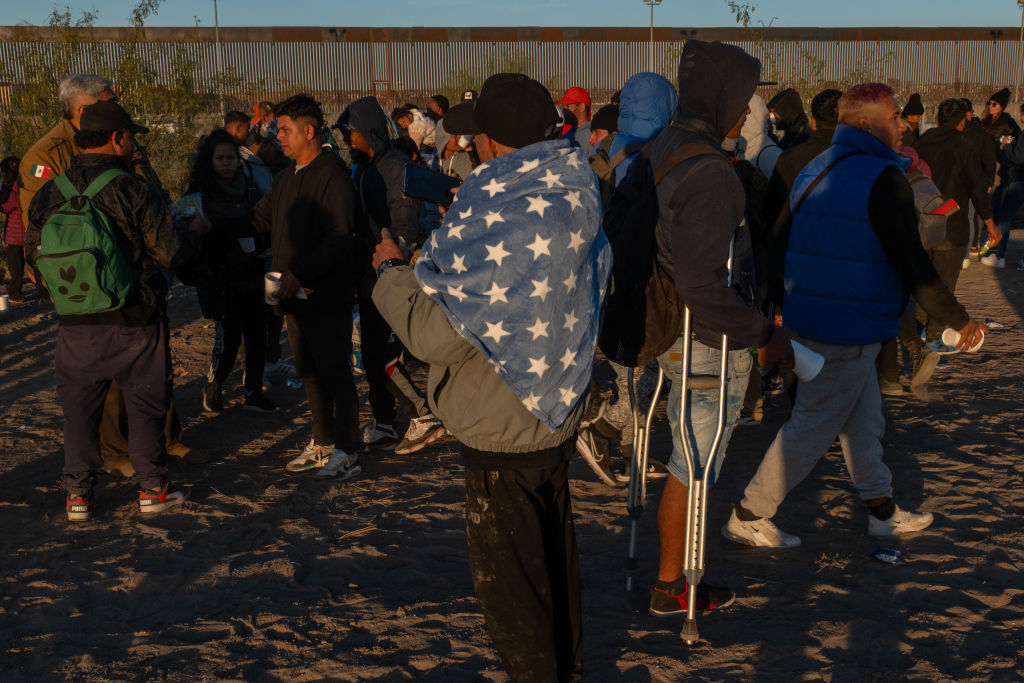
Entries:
{"x":951,"y":337}
{"x":271,"y":286}
{"x":5,"y":302}
{"x":807,"y":363}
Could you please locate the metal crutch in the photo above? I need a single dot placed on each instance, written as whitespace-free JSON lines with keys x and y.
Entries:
{"x":637,"y":494}
{"x":697,"y":486}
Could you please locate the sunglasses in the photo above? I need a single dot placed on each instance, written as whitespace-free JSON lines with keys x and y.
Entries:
{"x":993,"y":104}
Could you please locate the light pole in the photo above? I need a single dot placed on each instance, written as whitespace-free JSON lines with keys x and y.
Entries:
{"x":1020,"y":45}
{"x":220,"y":63}
{"x":653,"y":4}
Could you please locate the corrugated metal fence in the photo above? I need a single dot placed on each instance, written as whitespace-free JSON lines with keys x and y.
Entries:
{"x":341,"y":64}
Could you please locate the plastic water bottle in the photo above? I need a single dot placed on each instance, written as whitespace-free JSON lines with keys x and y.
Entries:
{"x":987,"y":247}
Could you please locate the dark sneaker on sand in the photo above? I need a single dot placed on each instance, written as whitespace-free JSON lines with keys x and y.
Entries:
{"x":664,"y":604}
{"x":154,"y":500}
{"x":80,"y":507}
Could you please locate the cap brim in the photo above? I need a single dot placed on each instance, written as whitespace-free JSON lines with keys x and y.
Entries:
{"x":137,"y":129}
{"x":459,"y":120}
{"x":767,"y":82}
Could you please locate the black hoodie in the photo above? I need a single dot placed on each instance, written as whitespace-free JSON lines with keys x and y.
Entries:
{"x":789,"y":110}
{"x":701,"y":212}
{"x":379,"y":183}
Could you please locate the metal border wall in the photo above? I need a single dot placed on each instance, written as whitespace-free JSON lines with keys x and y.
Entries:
{"x":339,"y":64}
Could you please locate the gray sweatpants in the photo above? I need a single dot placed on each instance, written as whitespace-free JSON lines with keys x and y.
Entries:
{"x":842,"y":400}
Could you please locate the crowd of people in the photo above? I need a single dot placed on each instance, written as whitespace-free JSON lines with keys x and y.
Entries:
{"x":845,"y":230}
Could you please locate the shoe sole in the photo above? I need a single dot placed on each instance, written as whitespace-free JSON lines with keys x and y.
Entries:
{"x":257,"y":409}
{"x":588,"y":456}
{"x":173,"y":500}
{"x":743,"y":540}
{"x":341,"y":475}
{"x":925,"y":372}
{"x":682,"y":613}
{"x":306,"y":466}
{"x":420,"y":445}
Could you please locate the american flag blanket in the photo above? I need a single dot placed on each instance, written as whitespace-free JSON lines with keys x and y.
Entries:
{"x":520,"y":266}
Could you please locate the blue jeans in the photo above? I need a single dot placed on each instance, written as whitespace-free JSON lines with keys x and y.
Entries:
{"x":1007,"y":200}
{"x":703,"y":409}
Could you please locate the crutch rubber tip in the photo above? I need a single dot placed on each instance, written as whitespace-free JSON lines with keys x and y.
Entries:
{"x":689,"y":633}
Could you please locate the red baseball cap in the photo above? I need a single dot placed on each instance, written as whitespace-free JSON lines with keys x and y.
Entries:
{"x":575,"y":95}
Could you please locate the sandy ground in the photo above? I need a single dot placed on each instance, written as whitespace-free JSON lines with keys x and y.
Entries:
{"x":265,"y":576}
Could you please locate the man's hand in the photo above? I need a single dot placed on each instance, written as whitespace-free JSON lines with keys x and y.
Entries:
{"x":388,"y":248}
{"x":972,"y":334}
{"x":993,"y":232}
{"x":200,"y":224}
{"x":778,"y":350}
{"x":289,"y":285}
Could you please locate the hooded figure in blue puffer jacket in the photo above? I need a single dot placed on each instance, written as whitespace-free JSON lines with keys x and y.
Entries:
{"x":645,"y":108}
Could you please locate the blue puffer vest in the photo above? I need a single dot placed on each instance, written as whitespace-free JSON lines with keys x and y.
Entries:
{"x":840,"y":286}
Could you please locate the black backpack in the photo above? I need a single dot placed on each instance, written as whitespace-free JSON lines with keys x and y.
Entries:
{"x":643,"y":313}
{"x":605,"y":166}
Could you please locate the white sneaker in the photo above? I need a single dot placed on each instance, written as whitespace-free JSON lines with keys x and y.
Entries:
{"x":993,"y":261}
{"x":901,"y":522}
{"x":379,"y":437}
{"x":340,"y":465}
{"x":422,"y":432}
{"x":761,"y":533}
{"x":279,"y":368}
{"x":312,"y":456}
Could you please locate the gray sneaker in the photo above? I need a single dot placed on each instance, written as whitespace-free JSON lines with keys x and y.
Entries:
{"x":340,"y":465}
{"x":422,"y":432}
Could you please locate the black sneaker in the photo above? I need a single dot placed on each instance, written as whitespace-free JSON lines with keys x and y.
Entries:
{"x":665,"y":604}
{"x":258,"y":401}
{"x":212,"y":402}
{"x":655,"y":469}
{"x":595,"y":449}
{"x":80,"y":507}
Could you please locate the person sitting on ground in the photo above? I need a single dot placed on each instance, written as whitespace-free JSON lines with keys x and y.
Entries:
{"x":231,"y":294}
{"x":853,"y":249}
{"x":418,"y":127}
{"x":117,"y":338}
{"x":507,"y":318}
{"x":437,"y":107}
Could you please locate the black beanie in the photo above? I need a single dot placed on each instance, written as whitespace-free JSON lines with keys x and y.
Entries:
{"x":914,"y":106}
{"x":1002,"y":97}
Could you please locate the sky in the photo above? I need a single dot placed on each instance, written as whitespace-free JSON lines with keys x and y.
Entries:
{"x":678,"y":13}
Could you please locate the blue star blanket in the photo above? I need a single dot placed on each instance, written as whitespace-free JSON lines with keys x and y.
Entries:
{"x":520,"y":266}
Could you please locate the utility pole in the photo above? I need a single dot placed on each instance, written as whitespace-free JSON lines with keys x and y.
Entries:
{"x":992,"y":60}
{"x":1020,"y":46}
{"x":652,"y":4}
{"x":220,"y":63}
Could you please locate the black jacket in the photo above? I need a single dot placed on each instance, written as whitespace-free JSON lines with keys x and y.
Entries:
{"x":310,"y":216}
{"x":147,"y":236}
{"x":788,"y":167}
{"x":956,"y":171}
{"x":981,"y":142}
{"x":379,"y":183}
{"x":699,"y":217}
{"x":911,"y":135}
{"x":1004,"y":126}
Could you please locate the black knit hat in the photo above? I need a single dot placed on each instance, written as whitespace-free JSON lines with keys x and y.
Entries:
{"x":914,"y":106}
{"x":606,"y":118}
{"x":1002,"y":97}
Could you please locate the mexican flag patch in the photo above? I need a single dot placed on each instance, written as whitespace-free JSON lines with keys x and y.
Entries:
{"x":40,"y":172}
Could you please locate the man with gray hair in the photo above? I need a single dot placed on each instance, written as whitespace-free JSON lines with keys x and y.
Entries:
{"x":50,"y":157}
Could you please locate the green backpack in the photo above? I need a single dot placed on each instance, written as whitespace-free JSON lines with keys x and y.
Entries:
{"x":85,"y":270}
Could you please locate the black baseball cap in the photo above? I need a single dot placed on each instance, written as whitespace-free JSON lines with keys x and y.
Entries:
{"x":108,"y":115}
{"x":512,"y":109}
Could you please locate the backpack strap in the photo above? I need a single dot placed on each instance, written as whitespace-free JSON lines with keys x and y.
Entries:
{"x":624,"y":153}
{"x":101,"y":181}
{"x":821,"y":176}
{"x":679,"y":155}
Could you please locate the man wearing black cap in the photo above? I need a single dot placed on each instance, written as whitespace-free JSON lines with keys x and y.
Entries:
{"x":124,"y":340}
{"x":912,"y":113}
{"x":504,"y":304}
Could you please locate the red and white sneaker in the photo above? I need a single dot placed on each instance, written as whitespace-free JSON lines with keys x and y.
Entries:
{"x":157,"y":501}
{"x":80,"y":508}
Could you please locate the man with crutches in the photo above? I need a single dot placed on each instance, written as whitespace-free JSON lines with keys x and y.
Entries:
{"x":701,"y":204}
